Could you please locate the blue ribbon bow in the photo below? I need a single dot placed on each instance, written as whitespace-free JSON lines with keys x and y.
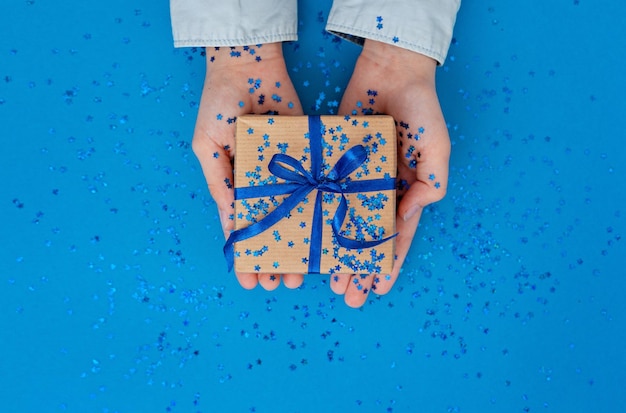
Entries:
{"x":299,"y":183}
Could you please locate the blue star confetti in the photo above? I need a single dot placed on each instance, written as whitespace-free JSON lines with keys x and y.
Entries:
{"x":510,"y":287}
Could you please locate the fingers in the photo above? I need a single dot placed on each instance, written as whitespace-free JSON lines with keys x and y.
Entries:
{"x":292,"y":281}
{"x":269,"y":281}
{"x":358,"y":289}
{"x":406,"y":232}
{"x":247,"y":280}
{"x":427,"y":179}
{"x":354,"y":288}
{"x":426,"y":176}
{"x":419,"y":195}
{"x":339,"y":283}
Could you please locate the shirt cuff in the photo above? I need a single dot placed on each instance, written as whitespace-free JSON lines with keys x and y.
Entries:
{"x":232,"y":23}
{"x":423,"y":26}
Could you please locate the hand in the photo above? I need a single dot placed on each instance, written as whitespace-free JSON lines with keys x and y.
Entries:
{"x":239,"y":80}
{"x":401,"y":83}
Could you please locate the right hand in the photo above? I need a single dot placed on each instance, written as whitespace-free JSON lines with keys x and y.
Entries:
{"x":236,"y":79}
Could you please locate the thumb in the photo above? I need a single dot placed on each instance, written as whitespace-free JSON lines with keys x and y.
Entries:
{"x":425,"y":188}
{"x":218,"y":172}
{"x":418,"y":196}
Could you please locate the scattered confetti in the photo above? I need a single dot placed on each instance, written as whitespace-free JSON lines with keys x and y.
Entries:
{"x":107,"y":191}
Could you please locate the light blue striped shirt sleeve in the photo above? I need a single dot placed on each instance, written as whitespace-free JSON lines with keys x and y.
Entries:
{"x":423,"y":26}
{"x":233,"y":22}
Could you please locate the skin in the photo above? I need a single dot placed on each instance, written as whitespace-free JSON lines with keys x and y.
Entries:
{"x":405,"y":86}
{"x":226,"y":85}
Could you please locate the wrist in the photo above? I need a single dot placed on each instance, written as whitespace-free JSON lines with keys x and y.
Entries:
{"x":397,"y":60}
{"x":226,"y":56}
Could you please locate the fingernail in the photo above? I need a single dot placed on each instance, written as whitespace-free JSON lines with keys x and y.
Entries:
{"x":411,"y":213}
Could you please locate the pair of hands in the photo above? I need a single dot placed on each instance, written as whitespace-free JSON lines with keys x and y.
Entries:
{"x":386,"y":79}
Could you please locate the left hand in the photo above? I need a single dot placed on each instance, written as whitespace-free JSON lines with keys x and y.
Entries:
{"x":401,"y":83}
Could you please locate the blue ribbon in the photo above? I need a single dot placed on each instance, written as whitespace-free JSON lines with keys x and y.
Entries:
{"x":298,"y":184}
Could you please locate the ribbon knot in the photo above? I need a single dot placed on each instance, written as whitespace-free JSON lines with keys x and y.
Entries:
{"x":299,"y":183}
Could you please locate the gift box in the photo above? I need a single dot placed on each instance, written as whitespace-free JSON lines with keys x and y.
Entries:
{"x":314,"y":194}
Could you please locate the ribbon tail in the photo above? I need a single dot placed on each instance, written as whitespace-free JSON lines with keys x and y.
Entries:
{"x":340,"y":216}
{"x":268,"y":221}
{"x":355,"y":245}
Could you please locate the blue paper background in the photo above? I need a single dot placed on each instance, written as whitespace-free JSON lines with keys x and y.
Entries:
{"x":113,"y":295}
